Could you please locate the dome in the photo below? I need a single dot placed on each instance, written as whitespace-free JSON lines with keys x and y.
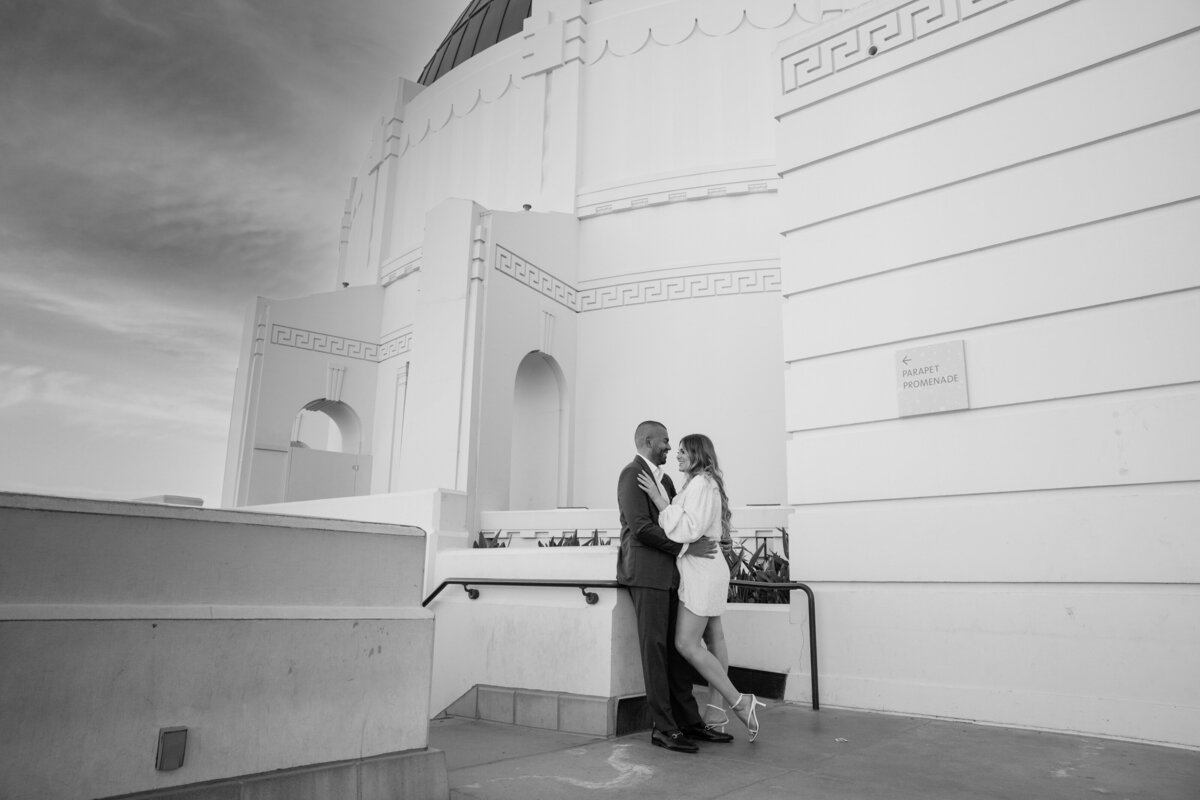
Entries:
{"x":481,"y":24}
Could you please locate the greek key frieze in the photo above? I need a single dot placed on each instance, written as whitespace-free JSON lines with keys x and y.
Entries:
{"x":402,"y":271}
{"x":630,"y":293}
{"x":895,"y":28}
{"x":682,"y":287}
{"x":397,"y":345}
{"x":319,"y":342}
{"x":537,"y":279}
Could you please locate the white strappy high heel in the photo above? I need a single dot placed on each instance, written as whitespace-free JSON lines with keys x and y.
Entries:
{"x":717,"y":725}
{"x":751,"y":719}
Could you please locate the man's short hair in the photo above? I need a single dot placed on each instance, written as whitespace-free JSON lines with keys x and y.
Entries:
{"x":647,"y":428}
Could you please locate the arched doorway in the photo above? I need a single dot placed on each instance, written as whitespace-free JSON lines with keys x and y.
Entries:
{"x":324,"y":458}
{"x":537,"y":421}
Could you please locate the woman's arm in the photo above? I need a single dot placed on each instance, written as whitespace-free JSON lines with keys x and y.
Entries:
{"x":695,"y":513}
{"x":637,"y":512}
{"x":653,"y":491}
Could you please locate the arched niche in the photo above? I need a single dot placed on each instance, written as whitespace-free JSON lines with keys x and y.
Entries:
{"x":537,"y":433}
{"x":325,"y":455}
{"x":327,"y":425}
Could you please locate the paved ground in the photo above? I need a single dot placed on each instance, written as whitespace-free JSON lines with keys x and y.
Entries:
{"x":814,"y":755}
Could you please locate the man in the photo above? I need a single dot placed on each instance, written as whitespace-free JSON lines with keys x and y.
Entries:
{"x":646,"y":567}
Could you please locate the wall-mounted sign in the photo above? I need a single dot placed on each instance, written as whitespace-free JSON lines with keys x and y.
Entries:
{"x":931,"y":379}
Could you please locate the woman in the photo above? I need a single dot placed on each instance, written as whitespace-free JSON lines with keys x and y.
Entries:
{"x":702,"y":509}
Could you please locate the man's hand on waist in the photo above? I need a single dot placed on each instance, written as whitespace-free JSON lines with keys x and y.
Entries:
{"x":702,"y":548}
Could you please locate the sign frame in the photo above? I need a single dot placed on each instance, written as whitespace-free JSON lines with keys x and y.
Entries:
{"x":932,"y":379}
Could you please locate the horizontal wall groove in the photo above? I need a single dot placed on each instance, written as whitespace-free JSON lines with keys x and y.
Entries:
{"x":996,"y":171}
{"x":634,"y":187}
{"x":1045,"y":401}
{"x":1154,"y":486}
{"x":976,"y":106}
{"x":650,"y":273}
{"x":996,"y":325}
{"x":996,"y":245}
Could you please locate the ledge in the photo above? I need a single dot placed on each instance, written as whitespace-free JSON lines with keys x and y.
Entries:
{"x":123,"y":508}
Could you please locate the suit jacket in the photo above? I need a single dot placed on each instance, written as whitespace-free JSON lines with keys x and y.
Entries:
{"x":647,"y":556}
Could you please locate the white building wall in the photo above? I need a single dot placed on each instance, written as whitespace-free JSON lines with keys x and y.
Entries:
{"x":402,"y":289}
{"x":444,"y":330}
{"x":621,"y":107}
{"x":706,"y":365}
{"x":1016,"y":175}
{"x":1020,"y":176}
{"x":528,"y":256}
{"x":323,"y":346}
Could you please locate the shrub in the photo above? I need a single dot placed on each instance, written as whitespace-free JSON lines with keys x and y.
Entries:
{"x":573,"y":541}
{"x":760,"y":566}
{"x":485,"y":542}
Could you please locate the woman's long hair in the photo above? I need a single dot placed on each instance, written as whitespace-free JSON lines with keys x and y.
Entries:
{"x":704,"y":461}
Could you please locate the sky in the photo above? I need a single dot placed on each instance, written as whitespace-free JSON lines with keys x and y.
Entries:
{"x":163,"y":162}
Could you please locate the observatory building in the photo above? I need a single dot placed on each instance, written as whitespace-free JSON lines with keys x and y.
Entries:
{"x":924,"y":270}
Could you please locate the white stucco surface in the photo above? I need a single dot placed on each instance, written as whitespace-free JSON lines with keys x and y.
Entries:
{"x":1028,"y":560}
{"x":739,"y":214}
{"x":278,"y":642}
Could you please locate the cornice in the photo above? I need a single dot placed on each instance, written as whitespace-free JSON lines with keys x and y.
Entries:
{"x":701,"y":283}
{"x":667,"y":25}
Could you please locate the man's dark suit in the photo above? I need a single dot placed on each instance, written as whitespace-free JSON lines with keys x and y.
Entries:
{"x":647,"y":567}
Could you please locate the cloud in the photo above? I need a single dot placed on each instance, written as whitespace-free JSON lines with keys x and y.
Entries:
{"x":118,"y":308}
{"x":161,"y":163}
{"x":106,"y":407}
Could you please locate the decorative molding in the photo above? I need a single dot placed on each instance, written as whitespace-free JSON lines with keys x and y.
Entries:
{"x":323,"y":343}
{"x":545,"y":45}
{"x":333,"y":382}
{"x":681,"y":287}
{"x":409,"y":263}
{"x":554,"y":38}
{"x":537,"y":279}
{"x":705,"y":191}
{"x":668,"y":25}
{"x":479,"y":239}
{"x":547,"y":333}
{"x":482,"y":80}
{"x":755,"y":280}
{"x":884,"y":32}
{"x":398,"y":345}
{"x":319,"y":342}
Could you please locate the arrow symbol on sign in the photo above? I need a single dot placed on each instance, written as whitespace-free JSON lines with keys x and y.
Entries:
{"x":905,"y":360}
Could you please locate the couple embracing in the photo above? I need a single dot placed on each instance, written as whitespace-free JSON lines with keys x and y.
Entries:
{"x":679,"y":587}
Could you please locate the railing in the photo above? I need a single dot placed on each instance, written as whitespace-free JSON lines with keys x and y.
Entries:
{"x":591,"y":598}
{"x":812,"y":627}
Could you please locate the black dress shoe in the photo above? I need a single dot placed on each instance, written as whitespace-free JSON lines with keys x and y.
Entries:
{"x":703,"y":734}
{"x":673,"y":740}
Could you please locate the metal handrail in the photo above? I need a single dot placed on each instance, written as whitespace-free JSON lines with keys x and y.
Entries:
{"x":812,"y":627}
{"x":592,"y":598}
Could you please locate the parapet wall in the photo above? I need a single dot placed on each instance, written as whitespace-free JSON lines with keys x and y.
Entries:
{"x":277,"y":642}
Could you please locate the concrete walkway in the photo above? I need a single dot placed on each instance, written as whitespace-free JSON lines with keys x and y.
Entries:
{"x":814,"y":755}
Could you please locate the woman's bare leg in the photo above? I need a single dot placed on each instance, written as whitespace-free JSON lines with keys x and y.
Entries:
{"x":689,"y":629}
{"x":714,"y":640}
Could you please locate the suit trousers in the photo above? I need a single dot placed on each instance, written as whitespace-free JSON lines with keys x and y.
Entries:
{"x":667,"y":676}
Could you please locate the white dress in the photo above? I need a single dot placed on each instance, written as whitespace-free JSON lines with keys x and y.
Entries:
{"x":696,"y":512}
